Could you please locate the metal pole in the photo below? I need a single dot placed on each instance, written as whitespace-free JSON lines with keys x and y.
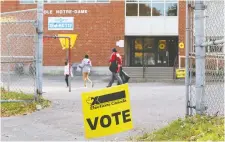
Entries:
{"x":224,"y":51}
{"x":8,"y":82}
{"x":39,"y":50}
{"x":187,"y":76}
{"x":67,"y":51}
{"x":200,"y":55}
{"x":69,"y":59}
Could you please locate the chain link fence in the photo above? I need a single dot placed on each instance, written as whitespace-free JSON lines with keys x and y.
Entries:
{"x":211,"y":97}
{"x":18,"y":42}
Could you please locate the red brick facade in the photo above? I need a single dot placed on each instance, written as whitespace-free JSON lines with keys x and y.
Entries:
{"x":182,"y":27}
{"x":98,"y":30}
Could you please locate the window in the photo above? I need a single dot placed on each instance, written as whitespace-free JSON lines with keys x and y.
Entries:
{"x":144,"y":9}
{"x":27,"y":1}
{"x":72,"y":0}
{"x":102,"y":1}
{"x":131,"y":1}
{"x":151,"y":7}
{"x":87,"y":1}
{"x":57,"y":1}
{"x":158,"y":1}
{"x":131,"y":9}
{"x":64,"y":1}
{"x":171,"y":7}
{"x":157,"y":9}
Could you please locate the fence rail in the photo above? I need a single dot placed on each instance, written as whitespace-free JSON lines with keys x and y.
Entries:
{"x":18,"y":48}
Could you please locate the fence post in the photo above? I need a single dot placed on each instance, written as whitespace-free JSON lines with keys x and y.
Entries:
{"x":187,"y":76}
{"x":39,"y":51}
{"x":70,"y":65}
{"x":200,"y":55}
{"x":9,"y":78}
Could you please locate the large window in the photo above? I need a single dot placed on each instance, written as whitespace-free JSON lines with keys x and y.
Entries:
{"x":151,"y":7}
{"x":64,"y":1}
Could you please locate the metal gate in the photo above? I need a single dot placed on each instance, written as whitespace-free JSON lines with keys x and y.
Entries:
{"x":18,"y":42}
{"x":205,"y":57}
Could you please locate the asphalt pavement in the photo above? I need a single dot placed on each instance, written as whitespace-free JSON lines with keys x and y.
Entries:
{"x":153,"y":106}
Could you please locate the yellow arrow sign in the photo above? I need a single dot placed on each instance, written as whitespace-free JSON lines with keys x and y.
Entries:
{"x":65,"y":41}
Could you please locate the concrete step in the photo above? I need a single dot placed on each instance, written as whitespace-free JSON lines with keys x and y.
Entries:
{"x":151,"y":73}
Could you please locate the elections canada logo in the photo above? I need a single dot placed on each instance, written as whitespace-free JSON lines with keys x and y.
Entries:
{"x":106,"y":100}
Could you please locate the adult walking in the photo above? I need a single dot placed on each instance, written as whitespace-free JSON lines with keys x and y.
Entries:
{"x":86,"y":69}
{"x":115,"y":64}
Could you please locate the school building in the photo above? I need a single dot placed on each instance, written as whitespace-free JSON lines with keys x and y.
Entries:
{"x":145,"y":32}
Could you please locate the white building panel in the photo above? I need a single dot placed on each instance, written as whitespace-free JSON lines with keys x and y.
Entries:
{"x":151,"y":26}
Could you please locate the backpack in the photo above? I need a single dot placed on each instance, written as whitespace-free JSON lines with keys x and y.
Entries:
{"x":114,"y":65}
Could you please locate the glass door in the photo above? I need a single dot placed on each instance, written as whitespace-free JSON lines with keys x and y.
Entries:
{"x":152,"y":51}
{"x":136,"y":52}
{"x":149,"y":52}
{"x":162,"y":52}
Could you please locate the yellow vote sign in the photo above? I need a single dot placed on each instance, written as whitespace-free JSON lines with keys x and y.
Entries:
{"x":107,"y":111}
{"x":180,"y":73}
{"x":65,"y":41}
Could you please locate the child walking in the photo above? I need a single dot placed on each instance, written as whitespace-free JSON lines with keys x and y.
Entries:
{"x":86,"y":69}
{"x":66,"y":73}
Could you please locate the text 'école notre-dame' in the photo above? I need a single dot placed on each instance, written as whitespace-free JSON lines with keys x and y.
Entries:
{"x":65,"y":11}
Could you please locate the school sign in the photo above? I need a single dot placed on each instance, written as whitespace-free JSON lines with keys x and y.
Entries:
{"x":106,"y":111}
{"x":60,"y":23}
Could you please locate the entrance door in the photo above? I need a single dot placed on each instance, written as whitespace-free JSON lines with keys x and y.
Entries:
{"x":173,"y":50}
{"x":149,"y":51}
{"x":152,"y":51}
{"x":162,"y":52}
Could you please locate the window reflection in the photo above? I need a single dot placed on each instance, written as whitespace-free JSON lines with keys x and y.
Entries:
{"x":138,"y":59}
{"x":149,"y":58}
{"x":171,"y":9}
{"x":145,"y":9}
{"x":131,"y":0}
{"x":138,"y":52}
{"x":138,"y":44}
{"x":131,"y":9}
{"x":148,"y":44}
{"x":151,"y":7}
{"x":157,"y":9}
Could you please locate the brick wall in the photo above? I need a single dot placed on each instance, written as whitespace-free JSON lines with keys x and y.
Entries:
{"x":182,"y":27}
{"x":98,"y":30}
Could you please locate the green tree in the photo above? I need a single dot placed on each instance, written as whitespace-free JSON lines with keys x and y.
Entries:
{"x":172,"y":10}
